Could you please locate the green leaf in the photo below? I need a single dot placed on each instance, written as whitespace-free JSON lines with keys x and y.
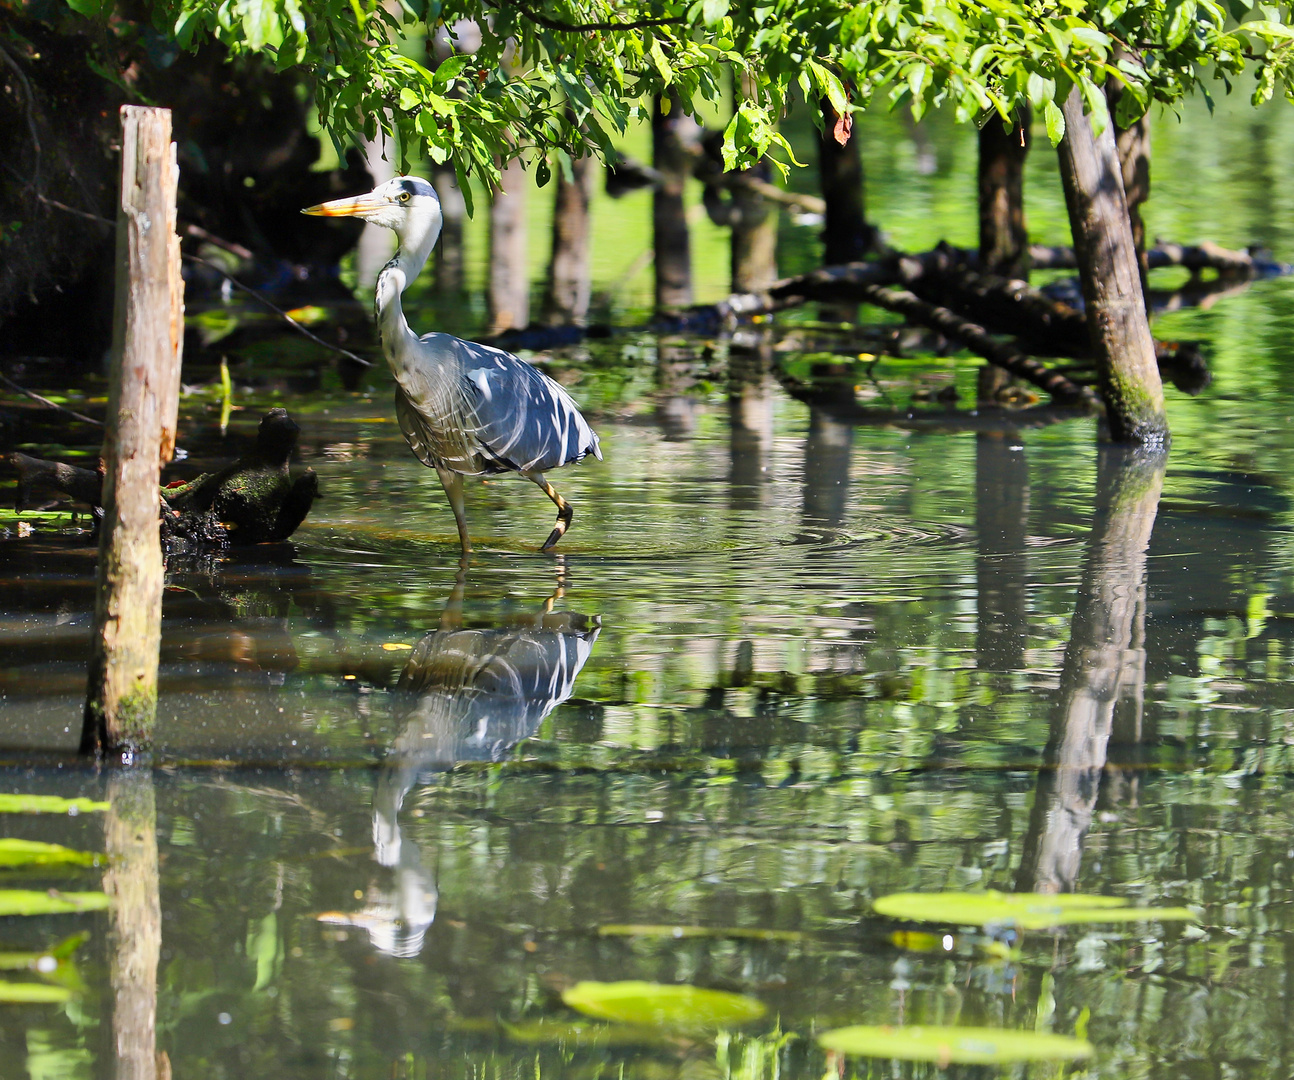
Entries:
{"x":1026,"y":911}
{"x":409,"y":99}
{"x":35,"y":902}
{"x":657,"y":1005}
{"x":32,"y":993}
{"x":713,"y":10}
{"x":1055,"y":121}
{"x":954,"y":1045}
{"x":14,"y":852}
{"x":47,"y":804}
{"x":1180,"y":21}
{"x":449,"y":69}
{"x":1040,"y":90}
{"x":542,"y":174}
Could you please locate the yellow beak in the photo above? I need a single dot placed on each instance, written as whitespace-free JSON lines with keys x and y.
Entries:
{"x":360,"y":204}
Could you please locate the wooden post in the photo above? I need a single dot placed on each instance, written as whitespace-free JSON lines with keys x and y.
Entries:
{"x":1003,"y":238}
{"x":566,"y":296}
{"x":1107,"y":265}
{"x":672,"y":159}
{"x":448,"y":254}
{"x":509,"y":293}
{"x":139,"y":437}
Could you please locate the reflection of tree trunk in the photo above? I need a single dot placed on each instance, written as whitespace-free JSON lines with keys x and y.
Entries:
{"x":566,"y":297}
{"x":670,"y":157}
{"x":827,"y":452}
{"x":509,"y":267}
{"x":1100,"y":665}
{"x":136,"y":921}
{"x":750,"y":413}
{"x":675,"y":407}
{"x":1001,"y":518}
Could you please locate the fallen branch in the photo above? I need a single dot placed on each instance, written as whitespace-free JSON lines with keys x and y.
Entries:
{"x":1195,"y":258}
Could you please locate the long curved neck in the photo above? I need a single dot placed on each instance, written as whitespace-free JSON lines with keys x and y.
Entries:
{"x":416,"y":242}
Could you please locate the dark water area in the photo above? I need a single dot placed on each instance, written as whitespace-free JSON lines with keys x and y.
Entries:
{"x":781,"y":666}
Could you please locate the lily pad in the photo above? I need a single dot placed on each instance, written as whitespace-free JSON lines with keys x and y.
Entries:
{"x":47,"y":804}
{"x":35,"y":902}
{"x":582,"y":1034}
{"x":14,"y":852}
{"x":1025,"y":911}
{"x":32,"y":993}
{"x":659,"y":1005}
{"x":949,"y":1045}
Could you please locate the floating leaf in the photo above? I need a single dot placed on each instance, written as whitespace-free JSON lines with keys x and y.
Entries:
{"x":654,"y":930}
{"x":32,"y":993}
{"x":662,"y":1006}
{"x":34,"y":902}
{"x":1026,"y":911}
{"x":15,"y":852}
{"x":960,"y":1045}
{"x":47,"y":804}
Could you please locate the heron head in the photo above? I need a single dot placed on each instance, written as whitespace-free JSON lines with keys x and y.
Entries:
{"x":406,"y":204}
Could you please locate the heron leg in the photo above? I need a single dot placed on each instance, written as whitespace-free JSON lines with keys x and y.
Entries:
{"x":564,"y":511}
{"x":453,"y":485}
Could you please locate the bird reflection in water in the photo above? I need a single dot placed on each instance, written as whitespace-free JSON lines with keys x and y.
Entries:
{"x":464,"y":695}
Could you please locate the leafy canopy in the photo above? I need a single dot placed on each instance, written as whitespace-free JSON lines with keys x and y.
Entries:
{"x":552,"y":78}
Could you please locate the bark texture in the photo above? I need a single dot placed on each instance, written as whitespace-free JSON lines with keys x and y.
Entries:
{"x":509,"y":270}
{"x":1111,"y":279}
{"x":121,"y":699}
{"x":448,"y":254}
{"x":672,"y":160}
{"x":566,"y":295}
{"x":1003,"y":237}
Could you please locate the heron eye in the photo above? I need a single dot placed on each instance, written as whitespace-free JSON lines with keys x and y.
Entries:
{"x":404,"y":196}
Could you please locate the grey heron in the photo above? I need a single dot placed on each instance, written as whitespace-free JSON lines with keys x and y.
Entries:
{"x":466,"y":409}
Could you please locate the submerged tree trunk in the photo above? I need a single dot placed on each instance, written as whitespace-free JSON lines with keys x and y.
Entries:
{"x":673,"y":161}
{"x":566,"y":296}
{"x":509,"y":292}
{"x":846,"y":236}
{"x":448,"y":256}
{"x":1107,"y":260}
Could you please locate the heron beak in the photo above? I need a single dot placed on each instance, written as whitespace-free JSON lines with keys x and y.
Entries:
{"x":355,"y":207}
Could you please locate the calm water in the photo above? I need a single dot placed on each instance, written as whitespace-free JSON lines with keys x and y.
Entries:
{"x":781,"y":666}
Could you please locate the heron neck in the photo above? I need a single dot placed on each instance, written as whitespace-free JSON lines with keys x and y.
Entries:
{"x":392,"y":326}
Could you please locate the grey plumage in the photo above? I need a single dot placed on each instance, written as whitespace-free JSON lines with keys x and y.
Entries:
{"x":465,"y":409}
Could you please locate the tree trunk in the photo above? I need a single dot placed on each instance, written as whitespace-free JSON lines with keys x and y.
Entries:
{"x":139,"y":437}
{"x":1003,"y":238}
{"x":672,"y":159}
{"x":566,"y":297}
{"x":376,"y":243}
{"x":1107,"y":261}
{"x":448,"y":255}
{"x":1100,"y":667}
{"x":846,"y":236}
{"x":509,"y":291}
{"x":754,"y":238}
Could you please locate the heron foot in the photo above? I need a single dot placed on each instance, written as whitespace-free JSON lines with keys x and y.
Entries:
{"x":564,"y":517}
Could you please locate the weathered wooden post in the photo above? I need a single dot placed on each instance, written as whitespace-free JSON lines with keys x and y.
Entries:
{"x":671,"y":133}
{"x":1107,"y":264}
{"x":566,"y":295}
{"x":139,"y":437}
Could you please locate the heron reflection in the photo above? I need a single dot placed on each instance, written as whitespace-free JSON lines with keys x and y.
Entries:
{"x":464,"y":695}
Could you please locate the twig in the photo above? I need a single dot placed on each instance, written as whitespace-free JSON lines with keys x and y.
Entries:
{"x":276,"y":309}
{"x":46,"y":401}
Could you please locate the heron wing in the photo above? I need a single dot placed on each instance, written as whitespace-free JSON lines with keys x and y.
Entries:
{"x":518,"y":417}
{"x":417,"y":432}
